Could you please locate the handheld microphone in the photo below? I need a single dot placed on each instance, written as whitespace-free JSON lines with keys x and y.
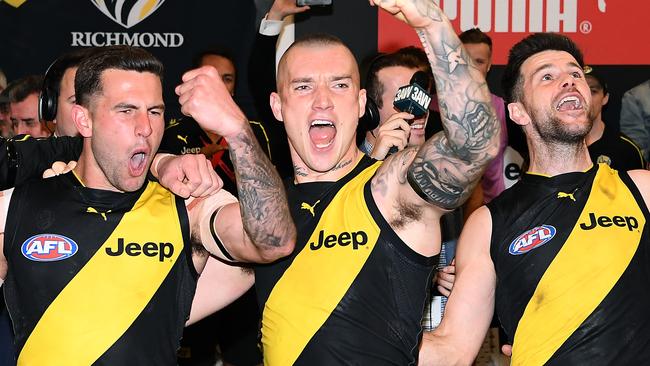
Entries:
{"x":414,"y":98}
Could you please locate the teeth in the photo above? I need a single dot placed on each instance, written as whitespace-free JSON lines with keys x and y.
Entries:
{"x":418,"y":126}
{"x":575,"y":100}
{"x":321,"y":146}
{"x":321,"y":123}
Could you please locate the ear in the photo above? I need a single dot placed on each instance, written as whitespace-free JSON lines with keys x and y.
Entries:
{"x":82,"y":120}
{"x":605,"y":99}
{"x":518,"y":113}
{"x":276,"y":106}
{"x":362,"y":102}
{"x":489,"y":66}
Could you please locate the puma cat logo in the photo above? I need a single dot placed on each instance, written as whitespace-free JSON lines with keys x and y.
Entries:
{"x":308,"y":207}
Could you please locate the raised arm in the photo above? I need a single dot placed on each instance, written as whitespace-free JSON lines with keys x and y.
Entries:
{"x":470,"y":307}
{"x":260,"y":229}
{"x":448,"y":166}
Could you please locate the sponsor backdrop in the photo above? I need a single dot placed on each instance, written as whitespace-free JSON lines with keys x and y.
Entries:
{"x":612,"y":34}
{"x":33,"y":32}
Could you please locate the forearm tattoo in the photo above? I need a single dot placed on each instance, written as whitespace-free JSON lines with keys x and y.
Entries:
{"x":262,"y":198}
{"x":448,"y":166}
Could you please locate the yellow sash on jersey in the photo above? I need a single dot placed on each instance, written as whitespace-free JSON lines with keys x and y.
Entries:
{"x":102,"y":301}
{"x":317,"y":280}
{"x":583,"y":272}
{"x":15,"y":3}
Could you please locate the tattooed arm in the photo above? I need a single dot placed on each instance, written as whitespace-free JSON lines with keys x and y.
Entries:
{"x":448,"y":166}
{"x":259,"y":228}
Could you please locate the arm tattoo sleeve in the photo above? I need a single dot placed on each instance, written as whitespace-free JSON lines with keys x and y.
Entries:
{"x":262,"y":199}
{"x":448,"y":165}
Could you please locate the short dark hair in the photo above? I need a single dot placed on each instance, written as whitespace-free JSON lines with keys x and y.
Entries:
{"x":212,"y":51}
{"x":54,"y":73}
{"x":18,"y":90}
{"x":535,"y":43}
{"x":88,"y":79}
{"x":409,"y":57}
{"x":591,"y":72}
{"x":474,"y":36}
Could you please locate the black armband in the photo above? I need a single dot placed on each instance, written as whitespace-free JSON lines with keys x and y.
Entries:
{"x":216,"y":238}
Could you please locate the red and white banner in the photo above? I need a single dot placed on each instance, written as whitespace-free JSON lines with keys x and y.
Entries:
{"x":609,"y":32}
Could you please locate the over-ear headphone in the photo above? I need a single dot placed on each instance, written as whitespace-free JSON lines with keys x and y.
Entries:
{"x":48,"y":100}
{"x":371,"y":115}
{"x":49,"y":97}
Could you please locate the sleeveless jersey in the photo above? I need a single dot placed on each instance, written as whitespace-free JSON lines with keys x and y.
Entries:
{"x":353,"y":292}
{"x":572,"y":260}
{"x":97,"y":277}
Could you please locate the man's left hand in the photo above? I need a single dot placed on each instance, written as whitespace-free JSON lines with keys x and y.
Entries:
{"x":204,"y":97}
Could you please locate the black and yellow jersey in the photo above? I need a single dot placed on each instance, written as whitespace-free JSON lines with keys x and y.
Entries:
{"x":97,"y":277}
{"x":352,"y":292}
{"x":572,"y":259}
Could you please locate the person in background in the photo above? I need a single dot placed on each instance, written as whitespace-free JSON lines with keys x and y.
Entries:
{"x":605,"y":144}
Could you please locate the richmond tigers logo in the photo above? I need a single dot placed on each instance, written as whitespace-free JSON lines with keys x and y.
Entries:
{"x":127,"y":13}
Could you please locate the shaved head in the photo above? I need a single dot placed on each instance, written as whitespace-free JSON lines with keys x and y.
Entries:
{"x":312,"y":41}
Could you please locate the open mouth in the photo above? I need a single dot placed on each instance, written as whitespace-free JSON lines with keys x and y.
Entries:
{"x":322,"y":133}
{"x":570,"y":103}
{"x":137,"y":163}
{"x":417,"y":126}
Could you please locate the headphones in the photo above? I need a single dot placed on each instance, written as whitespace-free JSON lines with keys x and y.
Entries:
{"x":371,"y":115}
{"x":49,"y":97}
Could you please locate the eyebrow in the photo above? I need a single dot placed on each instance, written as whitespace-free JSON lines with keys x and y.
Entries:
{"x":125,"y":105}
{"x":159,"y":106}
{"x":311,"y":79}
{"x":133,"y":106}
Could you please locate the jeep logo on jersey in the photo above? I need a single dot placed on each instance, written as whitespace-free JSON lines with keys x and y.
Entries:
{"x":149,"y":249}
{"x":531,"y":239}
{"x":48,"y":248}
{"x":343,"y":239}
{"x":128,"y":13}
{"x":604,"y":221}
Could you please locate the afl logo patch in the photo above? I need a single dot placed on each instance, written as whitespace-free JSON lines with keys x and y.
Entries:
{"x":531,"y":239}
{"x":48,"y":248}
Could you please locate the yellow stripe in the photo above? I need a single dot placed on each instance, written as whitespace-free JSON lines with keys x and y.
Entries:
{"x":108,"y":293}
{"x":266,"y":137}
{"x":635,"y":148}
{"x":15,"y":3}
{"x":316,"y":281}
{"x":146,"y":9}
{"x":582,"y":273}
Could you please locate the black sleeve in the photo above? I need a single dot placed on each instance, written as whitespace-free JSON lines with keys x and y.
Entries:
{"x":23,"y":158}
{"x":261,"y":74}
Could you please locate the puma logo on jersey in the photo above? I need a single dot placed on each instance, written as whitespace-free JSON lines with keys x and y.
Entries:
{"x":172,"y":123}
{"x":604,"y":221}
{"x":356,"y":239}
{"x":566,"y":195}
{"x":182,"y":138}
{"x":149,"y":249}
{"x":308,"y":207}
{"x":95,"y":211}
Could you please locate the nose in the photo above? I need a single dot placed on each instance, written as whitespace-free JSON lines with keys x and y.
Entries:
{"x":322,"y":98}
{"x":143,"y":125}
{"x":568,"y":81}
